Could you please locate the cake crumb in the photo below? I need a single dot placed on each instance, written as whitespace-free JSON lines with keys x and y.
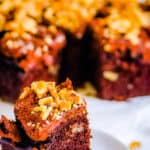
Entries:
{"x":87,"y":89}
{"x":134,"y":145}
{"x":77,"y":129}
{"x":25,"y":93}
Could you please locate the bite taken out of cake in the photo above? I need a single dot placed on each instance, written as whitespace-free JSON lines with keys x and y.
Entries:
{"x":48,"y":117}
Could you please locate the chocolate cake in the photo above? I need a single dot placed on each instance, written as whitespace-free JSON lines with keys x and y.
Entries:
{"x":48,"y":117}
{"x":120,"y":51}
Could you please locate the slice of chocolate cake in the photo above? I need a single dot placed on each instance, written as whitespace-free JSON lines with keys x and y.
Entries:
{"x":120,"y":51}
{"x":48,"y":117}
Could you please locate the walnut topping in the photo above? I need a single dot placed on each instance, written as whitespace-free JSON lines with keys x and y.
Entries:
{"x":40,"y":88}
{"x":111,"y":76}
{"x":25,"y":93}
{"x":26,"y":15}
{"x":46,"y":100}
{"x":125,"y":19}
{"x":45,"y":113}
{"x":65,"y":105}
{"x":52,"y":101}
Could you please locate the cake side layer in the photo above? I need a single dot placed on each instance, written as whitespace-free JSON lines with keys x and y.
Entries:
{"x":73,"y":135}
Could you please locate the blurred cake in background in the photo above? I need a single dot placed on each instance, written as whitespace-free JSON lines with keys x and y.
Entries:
{"x":121,"y":48}
{"x":106,"y":43}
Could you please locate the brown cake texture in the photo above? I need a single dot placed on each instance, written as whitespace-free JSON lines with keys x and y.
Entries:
{"x":120,"y":45}
{"x":48,"y":117}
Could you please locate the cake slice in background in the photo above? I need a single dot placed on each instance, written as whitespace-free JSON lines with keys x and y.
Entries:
{"x":48,"y":117}
{"x":29,"y":57}
{"x":120,"y":51}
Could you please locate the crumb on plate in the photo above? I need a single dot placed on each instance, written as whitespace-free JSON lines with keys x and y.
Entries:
{"x":134,"y":145}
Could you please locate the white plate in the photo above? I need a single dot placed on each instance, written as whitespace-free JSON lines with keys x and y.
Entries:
{"x":100,"y":140}
{"x":126,"y":121}
{"x":112,"y":122}
{"x":103,"y":141}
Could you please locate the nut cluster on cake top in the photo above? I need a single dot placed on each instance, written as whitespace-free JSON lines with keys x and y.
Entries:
{"x":52,"y":101}
{"x":26,"y":15}
{"x":124,"y":19}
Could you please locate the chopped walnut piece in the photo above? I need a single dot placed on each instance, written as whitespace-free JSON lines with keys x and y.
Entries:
{"x":38,"y":109}
{"x":53,"y":91}
{"x":111,"y":76}
{"x":40,"y":88}
{"x":45,"y":113}
{"x":46,"y":100}
{"x":25,"y":93}
{"x":66,"y":105}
